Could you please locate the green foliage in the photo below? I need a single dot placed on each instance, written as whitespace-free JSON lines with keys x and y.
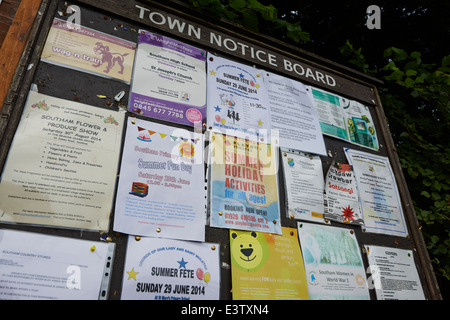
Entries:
{"x":416,"y":101}
{"x":251,"y":14}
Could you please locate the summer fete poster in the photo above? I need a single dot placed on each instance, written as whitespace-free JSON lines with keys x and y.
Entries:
{"x":378,"y":193}
{"x":333,"y":263}
{"x":166,"y":269}
{"x":88,"y":50}
{"x":243,"y":187}
{"x":237,"y":100}
{"x":161,"y":185}
{"x":62,"y":165}
{"x":293,"y":115}
{"x":304,"y":185}
{"x":267,"y":266}
{"x":394,"y":274}
{"x":169,"y":80}
{"x":41,"y":267}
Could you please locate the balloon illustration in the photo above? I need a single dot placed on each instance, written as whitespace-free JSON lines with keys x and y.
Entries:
{"x":207,"y":277}
{"x":217,"y":118}
{"x":223,"y":121}
{"x":199,"y":274}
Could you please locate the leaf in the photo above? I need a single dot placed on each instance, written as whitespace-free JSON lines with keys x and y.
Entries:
{"x":425,"y":194}
{"x":237,"y":4}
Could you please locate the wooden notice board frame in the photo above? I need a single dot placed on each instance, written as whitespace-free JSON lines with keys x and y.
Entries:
{"x":123,"y":19}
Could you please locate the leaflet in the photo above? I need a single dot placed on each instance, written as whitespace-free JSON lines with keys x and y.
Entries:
{"x":166,"y":269}
{"x":304,"y":184}
{"x":61,"y":168}
{"x":378,"y":193}
{"x":293,"y":115}
{"x":88,"y":50}
{"x":394,"y":274}
{"x":243,"y":187}
{"x":161,"y":185}
{"x":333,"y":263}
{"x":237,"y":100}
{"x":341,"y":195}
{"x":41,"y":267}
{"x":345,"y":119}
{"x":267,"y":266}
{"x":169,"y":80}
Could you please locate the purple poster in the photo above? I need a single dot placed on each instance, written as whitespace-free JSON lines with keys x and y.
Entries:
{"x":169,"y":80}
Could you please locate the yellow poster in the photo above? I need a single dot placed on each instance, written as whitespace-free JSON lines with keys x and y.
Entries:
{"x":88,"y":50}
{"x":267,"y":266}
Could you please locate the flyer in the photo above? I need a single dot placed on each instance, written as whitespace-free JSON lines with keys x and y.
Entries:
{"x":394,"y":274}
{"x":169,"y":80}
{"x":237,"y":100}
{"x":378,"y":193}
{"x":330,"y":114}
{"x":304,"y":185}
{"x":333,"y":263}
{"x":267,"y":266}
{"x":161,"y":185}
{"x":345,"y":119}
{"x":293,"y":115}
{"x":360,"y":126}
{"x":61,"y":168}
{"x":166,"y":269}
{"x":341,"y":195}
{"x":41,"y":267}
{"x":89,"y":50}
{"x":243,"y":185}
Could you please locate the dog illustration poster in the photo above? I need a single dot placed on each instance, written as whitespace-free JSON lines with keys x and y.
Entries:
{"x":237,"y":100}
{"x":244,"y":188}
{"x":62,"y":166}
{"x":333,"y":263}
{"x":169,"y":80}
{"x":267,"y":266}
{"x":161,"y":185}
{"x":88,"y":50}
{"x":167,"y":269}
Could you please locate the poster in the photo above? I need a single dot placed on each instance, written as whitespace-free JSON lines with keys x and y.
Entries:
{"x":266,"y":266}
{"x":161,"y":185}
{"x":169,"y":80}
{"x":394,"y":274}
{"x":88,"y":50}
{"x":378,"y":193}
{"x":244,"y":187}
{"x":333,"y":264}
{"x":360,"y":126}
{"x":341,"y":195}
{"x":237,"y":100}
{"x":61,"y":168}
{"x":166,"y":269}
{"x":304,"y":184}
{"x":330,"y":114}
{"x":345,"y":119}
{"x":293,"y":115}
{"x":41,"y":267}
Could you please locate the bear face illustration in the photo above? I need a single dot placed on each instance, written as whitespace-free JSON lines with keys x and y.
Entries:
{"x":249,"y":250}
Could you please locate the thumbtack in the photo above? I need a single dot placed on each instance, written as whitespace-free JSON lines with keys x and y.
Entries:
{"x":158,"y":230}
{"x":213,"y":247}
{"x":119,"y":96}
{"x":92,"y":248}
{"x":137,"y":238}
{"x":220,"y":213}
